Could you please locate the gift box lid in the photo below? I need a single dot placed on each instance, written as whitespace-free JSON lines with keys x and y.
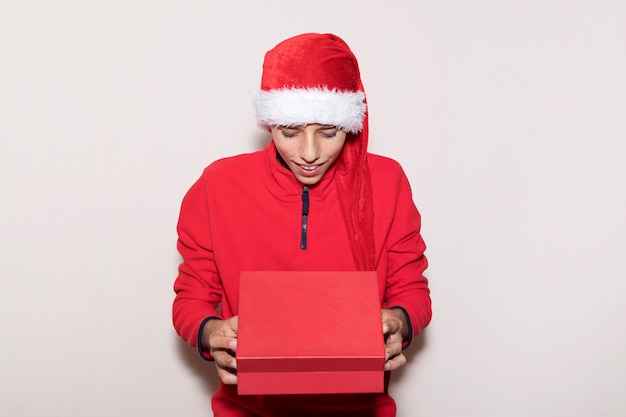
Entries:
{"x":320,"y":322}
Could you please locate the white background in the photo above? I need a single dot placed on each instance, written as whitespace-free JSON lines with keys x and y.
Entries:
{"x":509,"y":118}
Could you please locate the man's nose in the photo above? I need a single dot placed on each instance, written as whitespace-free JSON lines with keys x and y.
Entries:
{"x":309,"y":149}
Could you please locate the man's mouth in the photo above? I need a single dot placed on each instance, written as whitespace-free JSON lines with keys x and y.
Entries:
{"x":309,"y":169}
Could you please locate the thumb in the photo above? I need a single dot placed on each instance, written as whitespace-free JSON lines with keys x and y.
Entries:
{"x":386,"y":328}
{"x":234,"y":323}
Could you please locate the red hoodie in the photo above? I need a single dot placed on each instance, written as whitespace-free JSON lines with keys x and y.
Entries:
{"x":245,"y":213}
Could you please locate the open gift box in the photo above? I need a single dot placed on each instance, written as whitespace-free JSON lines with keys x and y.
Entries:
{"x":309,"y":333}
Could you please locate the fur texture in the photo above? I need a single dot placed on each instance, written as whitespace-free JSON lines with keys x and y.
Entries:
{"x":298,"y":106}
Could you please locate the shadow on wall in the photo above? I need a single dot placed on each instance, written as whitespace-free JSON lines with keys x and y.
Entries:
{"x":412,"y":356}
{"x":203,"y":370}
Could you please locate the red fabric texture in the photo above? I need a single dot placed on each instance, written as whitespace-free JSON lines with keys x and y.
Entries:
{"x":354,"y":184}
{"x":244,"y":213}
{"x":311,"y":60}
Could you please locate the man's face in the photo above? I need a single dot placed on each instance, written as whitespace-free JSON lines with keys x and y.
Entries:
{"x":309,"y":150}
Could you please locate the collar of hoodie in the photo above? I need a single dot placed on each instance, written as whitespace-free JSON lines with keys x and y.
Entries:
{"x":283,"y":184}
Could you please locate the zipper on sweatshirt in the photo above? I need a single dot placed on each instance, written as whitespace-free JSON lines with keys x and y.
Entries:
{"x":305,"y":216}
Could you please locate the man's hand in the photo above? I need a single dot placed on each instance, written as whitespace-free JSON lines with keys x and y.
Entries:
{"x":220,"y":338}
{"x":395,"y":330}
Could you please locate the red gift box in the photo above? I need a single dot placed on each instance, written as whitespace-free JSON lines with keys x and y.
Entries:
{"x":309,"y":333}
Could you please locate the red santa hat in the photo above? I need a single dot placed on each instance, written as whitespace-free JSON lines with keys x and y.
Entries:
{"x":314,"y":78}
{"x":311,"y":78}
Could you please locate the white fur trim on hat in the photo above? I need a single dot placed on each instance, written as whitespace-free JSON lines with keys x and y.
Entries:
{"x":300,"y":106}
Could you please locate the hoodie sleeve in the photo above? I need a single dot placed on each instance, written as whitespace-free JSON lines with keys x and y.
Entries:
{"x":197,"y":287}
{"x":407,"y":287}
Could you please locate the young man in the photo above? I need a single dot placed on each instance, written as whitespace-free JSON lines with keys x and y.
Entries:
{"x":246,"y":213}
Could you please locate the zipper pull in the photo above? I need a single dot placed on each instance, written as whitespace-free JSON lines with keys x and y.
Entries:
{"x":305,"y":215}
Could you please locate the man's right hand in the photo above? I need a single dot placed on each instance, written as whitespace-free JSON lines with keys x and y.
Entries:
{"x":219,"y":337}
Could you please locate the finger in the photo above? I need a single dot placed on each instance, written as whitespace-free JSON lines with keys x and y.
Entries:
{"x":393,"y":338}
{"x":234,"y":323}
{"x":394,"y":325}
{"x":224,"y":359}
{"x":391,"y":324}
{"x":227,"y":376}
{"x":217,"y":341}
{"x":395,"y":362}
{"x":226,"y":366}
{"x":385,"y":321}
{"x":393,"y":345}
